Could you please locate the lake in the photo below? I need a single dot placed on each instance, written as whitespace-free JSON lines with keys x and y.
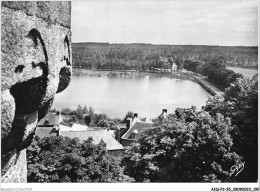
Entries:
{"x":248,"y":73}
{"x":115,"y":96}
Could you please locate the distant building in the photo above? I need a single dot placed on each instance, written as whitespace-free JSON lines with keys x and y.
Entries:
{"x":133,"y":129}
{"x":174,"y":67}
{"x":163,"y":114}
{"x":112,"y":145}
{"x":161,"y":70}
{"x":146,"y":119}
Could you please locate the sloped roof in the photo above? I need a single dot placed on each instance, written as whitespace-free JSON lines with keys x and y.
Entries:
{"x":51,"y":118}
{"x":64,"y":128}
{"x":75,"y":127}
{"x":112,"y":132}
{"x":138,"y":126}
{"x":46,"y":132}
{"x":78,"y":127}
{"x":163,"y":115}
{"x":97,"y":135}
{"x":146,"y":119}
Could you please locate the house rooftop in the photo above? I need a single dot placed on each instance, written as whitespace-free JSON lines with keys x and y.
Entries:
{"x":78,"y":127}
{"x":64,"y":128}
{"x":97,"y":135}
{"x":146,"y":119}
{"x":137,"y":127}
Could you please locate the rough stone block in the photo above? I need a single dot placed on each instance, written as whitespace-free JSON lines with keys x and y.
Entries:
{"x":35,"y":65}
{"x":52,"y":11}
{"x":7,"y":113}
{"x":17,"y":173}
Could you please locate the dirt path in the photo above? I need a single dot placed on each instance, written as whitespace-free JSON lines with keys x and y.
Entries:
{"x":215,"y":89}
{"x":205,"y":84}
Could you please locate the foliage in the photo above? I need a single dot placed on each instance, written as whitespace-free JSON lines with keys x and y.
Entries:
{"x":106,"y":123}
{"x":241,"y":105}
{"x":103,"y":123}
{"x":144,"y":57}
{"x":91,"y":110}
{"x":79,"y":112}
{"x":216,"y":73}
{"x":67,"y":111}
{"x":87,"y":116}
{"x":60,"y":159}
{"x":129,"y":114}
{"x":85,"y":110}
{"x":179,"y":63}
{"x":90,"y":117}
{"x":188,"y":146}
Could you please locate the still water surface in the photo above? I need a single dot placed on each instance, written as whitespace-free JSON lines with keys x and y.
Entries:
{"x":145,"y":96}
{"x":248,"y":73}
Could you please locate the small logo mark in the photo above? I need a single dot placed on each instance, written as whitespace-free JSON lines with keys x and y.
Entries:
{"x":236,"y":169}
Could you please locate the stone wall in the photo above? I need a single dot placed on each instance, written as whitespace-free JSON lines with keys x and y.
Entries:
{"x":35,"y":65}
{"x":17,"y":173}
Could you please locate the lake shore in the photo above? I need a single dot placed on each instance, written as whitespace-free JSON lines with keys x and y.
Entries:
{"x":136,"y":74}
{"x":248,"y":73}
{"x":130,"y":74}
{"x":115,"y":95}
{"x":243,"y":67}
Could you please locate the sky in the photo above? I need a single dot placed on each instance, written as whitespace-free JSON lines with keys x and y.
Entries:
{"x":176,"y":22}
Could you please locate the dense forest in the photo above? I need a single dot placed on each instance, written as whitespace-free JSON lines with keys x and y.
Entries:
{"x":145,"y":57}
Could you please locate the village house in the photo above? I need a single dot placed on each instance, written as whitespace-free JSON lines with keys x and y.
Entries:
{"x":135,"y":126}
{"x":50,"y":126}
{"x":169,"y":62}
{"x":112,"y":145}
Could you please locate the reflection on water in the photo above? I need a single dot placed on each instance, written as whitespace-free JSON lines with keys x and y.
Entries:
{"x":145,"y":96}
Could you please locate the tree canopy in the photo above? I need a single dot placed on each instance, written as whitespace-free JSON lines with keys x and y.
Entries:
{"x":217,"y":73}
{"x":240,"y":104}
{"x":143,"y":57}
{"x":187,"y":146}
{"x":61,"y":159}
